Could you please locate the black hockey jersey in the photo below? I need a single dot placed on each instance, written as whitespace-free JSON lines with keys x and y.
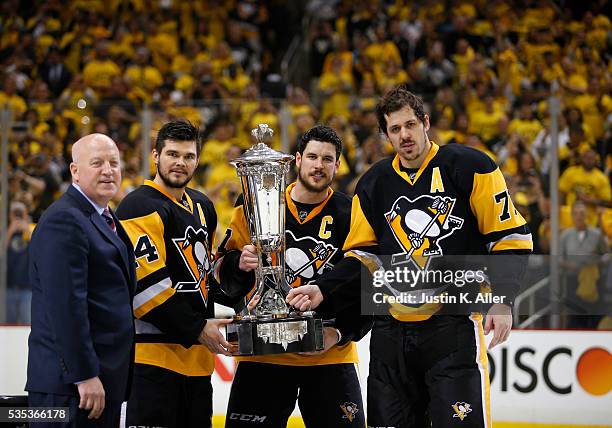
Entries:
{"x":172,"y":242}
{"x":456,"y":204}
{"x":313,"y":246}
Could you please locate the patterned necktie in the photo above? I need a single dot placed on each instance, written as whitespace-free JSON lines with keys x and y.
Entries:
{"x":109,"y":219}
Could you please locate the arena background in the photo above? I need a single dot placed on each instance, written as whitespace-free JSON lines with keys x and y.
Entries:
{"x":527,"y":82}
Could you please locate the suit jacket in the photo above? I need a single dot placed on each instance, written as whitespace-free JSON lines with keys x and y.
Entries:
{"x":83,"y":281}
{"x":56,"y":82}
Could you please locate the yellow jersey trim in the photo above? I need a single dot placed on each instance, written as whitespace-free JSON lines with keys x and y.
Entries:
{"x":430,"y":155}
{"x":361,"y":233}
{"x":163,"y":191}
{"x":313,"y":213}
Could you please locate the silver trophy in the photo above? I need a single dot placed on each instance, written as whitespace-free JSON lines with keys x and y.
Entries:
{"x":267,"y":325}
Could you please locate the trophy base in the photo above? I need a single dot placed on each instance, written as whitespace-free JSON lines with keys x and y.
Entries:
{"x":265,"y":336}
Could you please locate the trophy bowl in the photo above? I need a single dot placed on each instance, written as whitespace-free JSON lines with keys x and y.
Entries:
{"x":266,"y":324}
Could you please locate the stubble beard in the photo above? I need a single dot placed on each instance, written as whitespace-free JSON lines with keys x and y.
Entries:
{"x":303,"y":179}
{"x":173,"y":184}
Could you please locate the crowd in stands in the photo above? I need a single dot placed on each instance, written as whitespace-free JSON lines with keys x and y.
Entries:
{"x":485,"y":69}
{"x":71,"y":68}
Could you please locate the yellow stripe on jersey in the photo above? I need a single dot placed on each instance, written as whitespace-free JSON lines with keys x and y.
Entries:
{"x":240,"y":233}
{"x":361,"y":233}
{"x":483,"y":365}
{"x":514,"y":244}
{"x":336,"y":355}
{"x":152,"y":297}
{"x":201,"y":214}
{"x":492,"y":205}
{"x":163,"y":191}
{"x":407,"y":314}
{"x":147,"y":233}
{"x":195,"y":361}
{"x":369,"y":260}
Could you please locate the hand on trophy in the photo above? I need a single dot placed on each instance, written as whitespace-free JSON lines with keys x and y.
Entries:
{"x":331,"y":337}
{"x":253,"y":302}
{"x":213,"y":339}
{"x":305,"y":298}
{"x":249,"y":259}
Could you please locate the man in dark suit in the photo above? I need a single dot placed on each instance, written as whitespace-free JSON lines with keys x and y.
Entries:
{"x":82,"y":271}
{"x":55,"y":73}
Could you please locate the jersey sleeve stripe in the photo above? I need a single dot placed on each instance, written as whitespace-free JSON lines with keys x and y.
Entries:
{"x":512,"y":242}
{"x":143,"y":327}
{"x":361,"y":233}
{"x":152,"y":297}
{"x":152,"y":279}
{"x":369,"y":260}
{"x":491,"y":203}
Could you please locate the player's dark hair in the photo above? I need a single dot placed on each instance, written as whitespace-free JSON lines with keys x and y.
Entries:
{"x":396,"y":99}
{"x":178,"y":130}
{"x":321,"y":133}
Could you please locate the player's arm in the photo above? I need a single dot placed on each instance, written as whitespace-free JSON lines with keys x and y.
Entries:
{"x":156,"y":300}
{"x":353,"y":325}
{"x":507,"y":237}
{"x":340,"y":288}
{"x":504,"y":229}
{"x":217,"y":294}
{"x":234,"y":268}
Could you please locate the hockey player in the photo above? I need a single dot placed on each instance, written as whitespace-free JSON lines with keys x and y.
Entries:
{"x":325,"y":384}
{"x":417,"y":208}
{"x":172,"y":229}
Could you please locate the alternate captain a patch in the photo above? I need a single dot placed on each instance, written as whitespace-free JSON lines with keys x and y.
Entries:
{"x":419,"y":225}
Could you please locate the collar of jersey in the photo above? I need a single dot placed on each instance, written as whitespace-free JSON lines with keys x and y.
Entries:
{"x":396,"y":164}
{"x":161,"y":190}
{"x":313,"y":213}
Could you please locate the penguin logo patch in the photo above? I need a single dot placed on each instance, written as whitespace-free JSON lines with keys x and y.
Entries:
{"x":193,"y":248}
{"x":306,"y":258}
{"x":350,"y":410}
{"x":461,"y":409}
{"x":419,"y":226}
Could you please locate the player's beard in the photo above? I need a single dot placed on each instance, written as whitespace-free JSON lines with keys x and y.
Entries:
{"x":314,"y":188}
{"x":174,"y":184}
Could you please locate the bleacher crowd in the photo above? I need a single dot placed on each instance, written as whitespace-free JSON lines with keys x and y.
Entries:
{"x":484,"y":68}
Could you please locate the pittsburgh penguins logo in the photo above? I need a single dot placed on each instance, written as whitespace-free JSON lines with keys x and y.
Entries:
{"x":350,"y":410}
{"x":306,"y":258}
{"x":461,"y":409}
{"x":419,"y":225}
{"x":193,"y":248}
